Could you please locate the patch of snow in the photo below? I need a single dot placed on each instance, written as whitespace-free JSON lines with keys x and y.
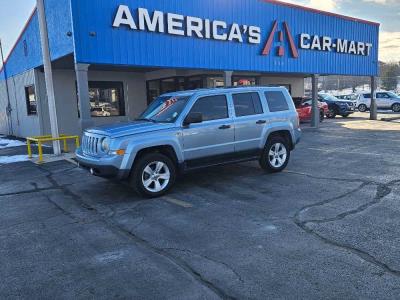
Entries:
{"x":6,"y":143}
{"x":13,"y":159}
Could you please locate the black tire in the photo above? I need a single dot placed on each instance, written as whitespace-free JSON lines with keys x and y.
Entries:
{"x":345,"y":115}
{"x":137,"y":175}
{"x":396,"y":107}
{"x":331,"y":114}
{"x":362,"y":108}
{"x":265,"y":162}
{"x":321,"y":116}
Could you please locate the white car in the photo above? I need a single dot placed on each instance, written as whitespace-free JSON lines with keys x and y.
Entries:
{"x":384,"y":100}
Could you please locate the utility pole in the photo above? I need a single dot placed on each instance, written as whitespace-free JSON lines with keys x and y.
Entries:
{"x":8,"y":108}
{"x":373,"y":109}
{"x":315,"y":117}
{"x":48,"y":73}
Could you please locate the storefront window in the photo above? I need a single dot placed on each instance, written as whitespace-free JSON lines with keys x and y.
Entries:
{"x":30,"y":100}
{"x":215,"y":82}
{"x":106,"y":99}
{"x":153,"y":90}
{"x":244,"y":81}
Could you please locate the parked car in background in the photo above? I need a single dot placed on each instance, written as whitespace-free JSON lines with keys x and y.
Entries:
{"x":304,"y":108}
{"x":337,"y":107}
{"x":352,"y":97}
{"x":188,"y":130}
{"x":384,"y":100}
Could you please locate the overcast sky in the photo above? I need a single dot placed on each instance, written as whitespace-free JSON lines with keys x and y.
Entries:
{"x":14,"y":13}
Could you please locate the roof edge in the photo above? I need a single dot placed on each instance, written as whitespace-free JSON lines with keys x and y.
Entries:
{"x":19,"y":38}
{"x":277,"y":2}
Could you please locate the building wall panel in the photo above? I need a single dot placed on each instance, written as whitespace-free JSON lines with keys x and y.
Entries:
{"x":96,"y":41}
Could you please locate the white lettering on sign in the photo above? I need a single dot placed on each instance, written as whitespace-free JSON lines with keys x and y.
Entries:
{"x":326,"y":43}
{"x":191,"y":26}
{"x":176,"y":24}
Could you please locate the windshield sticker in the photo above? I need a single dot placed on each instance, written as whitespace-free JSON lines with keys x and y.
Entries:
{"x":166,"y":105}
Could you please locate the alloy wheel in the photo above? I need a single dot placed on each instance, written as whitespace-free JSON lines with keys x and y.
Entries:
{"x":156,"y":176}
{"x":277,"y":155}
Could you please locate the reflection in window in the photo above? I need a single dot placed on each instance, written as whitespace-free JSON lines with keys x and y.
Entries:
{"x":247,"y":104}
{"x":31,"y":104}
{"x":211,"y":107}
{"x":244,"y":81}
{"x":276,"y":101}
{"x":106,"y":99}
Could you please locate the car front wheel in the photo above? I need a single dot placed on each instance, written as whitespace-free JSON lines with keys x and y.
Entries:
{"x":276,"y":155}
{"x":396,"y":107}
{"x":153,"y":175}
{"x":331,"y":114}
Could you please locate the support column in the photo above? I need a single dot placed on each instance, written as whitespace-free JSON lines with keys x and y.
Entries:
{"x":81,"y":71}
{"x":315,"y":117}
{"x":228,"y":78}
{"x":373,"y":108}
{"x":48,"y":73}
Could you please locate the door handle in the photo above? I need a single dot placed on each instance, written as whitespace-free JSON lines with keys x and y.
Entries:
{"x":225,"y":127}
{"x":261,"y":122}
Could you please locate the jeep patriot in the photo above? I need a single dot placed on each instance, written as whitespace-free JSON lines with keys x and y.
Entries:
{"x":188,"y":130}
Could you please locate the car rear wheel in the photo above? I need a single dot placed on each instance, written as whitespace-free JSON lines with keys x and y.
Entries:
{"x":396,"y":107}
{"x":153,"y":175}
{"x":345,"y":115}
{"x":362,"y":108}
{"x":276,"y":155}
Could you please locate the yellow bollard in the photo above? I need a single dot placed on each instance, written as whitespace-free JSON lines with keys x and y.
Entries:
{"x":40,"y":152}
{"x":65,"y":146}
{"x":28,"y":144}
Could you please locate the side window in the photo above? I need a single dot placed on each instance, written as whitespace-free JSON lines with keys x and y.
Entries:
{"x":30,"y":98}
{"x":247,"y":104}
{"x":276,"y":101}
{"x":382,"y":95}
{"x":212,"y":107}
{"x":367,"y":96}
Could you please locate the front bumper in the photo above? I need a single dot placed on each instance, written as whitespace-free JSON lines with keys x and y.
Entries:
{"x":347,"y":110}
{"x":107,"y":166}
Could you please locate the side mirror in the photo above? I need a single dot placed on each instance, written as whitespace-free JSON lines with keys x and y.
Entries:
{"x":193,"y":118}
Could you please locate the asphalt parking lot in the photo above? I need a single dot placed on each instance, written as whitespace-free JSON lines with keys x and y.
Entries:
{"x":328,"y":227}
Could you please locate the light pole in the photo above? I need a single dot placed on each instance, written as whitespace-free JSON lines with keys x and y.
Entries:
{"x":48,"y":73}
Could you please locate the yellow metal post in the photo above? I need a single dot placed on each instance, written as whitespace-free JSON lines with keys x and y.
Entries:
{"x":65,"y":145}
{"x":77,"y":142}
{"x":28,"y":143}
{"x":40,"y":152}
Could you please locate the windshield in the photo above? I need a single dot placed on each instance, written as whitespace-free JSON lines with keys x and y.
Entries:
{"x":393,"y":95}
{"x":165,"y":109}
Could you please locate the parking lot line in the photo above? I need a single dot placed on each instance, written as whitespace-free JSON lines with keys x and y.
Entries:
{"x":344,"y":151}
{"x":178,"y":202}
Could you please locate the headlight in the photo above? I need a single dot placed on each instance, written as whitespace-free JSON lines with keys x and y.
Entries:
{"x":105,"y":145}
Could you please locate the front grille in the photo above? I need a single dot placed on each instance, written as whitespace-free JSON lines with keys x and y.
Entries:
{"x":90,"y":144}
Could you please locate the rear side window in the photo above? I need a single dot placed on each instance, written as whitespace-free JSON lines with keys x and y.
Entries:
{"x":276,"y":101}
{"x":382,"y":95}
{"x":247,"y":104}
{"x":212,"y":107}
{"x":367,"y":96}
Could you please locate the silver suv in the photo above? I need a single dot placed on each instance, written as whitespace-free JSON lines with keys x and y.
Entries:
{"x":188,"y":130}
{"x":384,"y":100}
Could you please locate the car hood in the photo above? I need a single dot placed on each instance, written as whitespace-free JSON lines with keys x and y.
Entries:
{"x":135,"y":127}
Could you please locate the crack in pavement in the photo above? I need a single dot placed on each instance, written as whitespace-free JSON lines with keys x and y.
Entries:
{"x":381,"y":192}
{"x":209,"y":259}
{"x":182,"y":265}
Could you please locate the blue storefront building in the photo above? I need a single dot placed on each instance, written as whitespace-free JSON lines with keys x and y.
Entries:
{"x":110,"y":58}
